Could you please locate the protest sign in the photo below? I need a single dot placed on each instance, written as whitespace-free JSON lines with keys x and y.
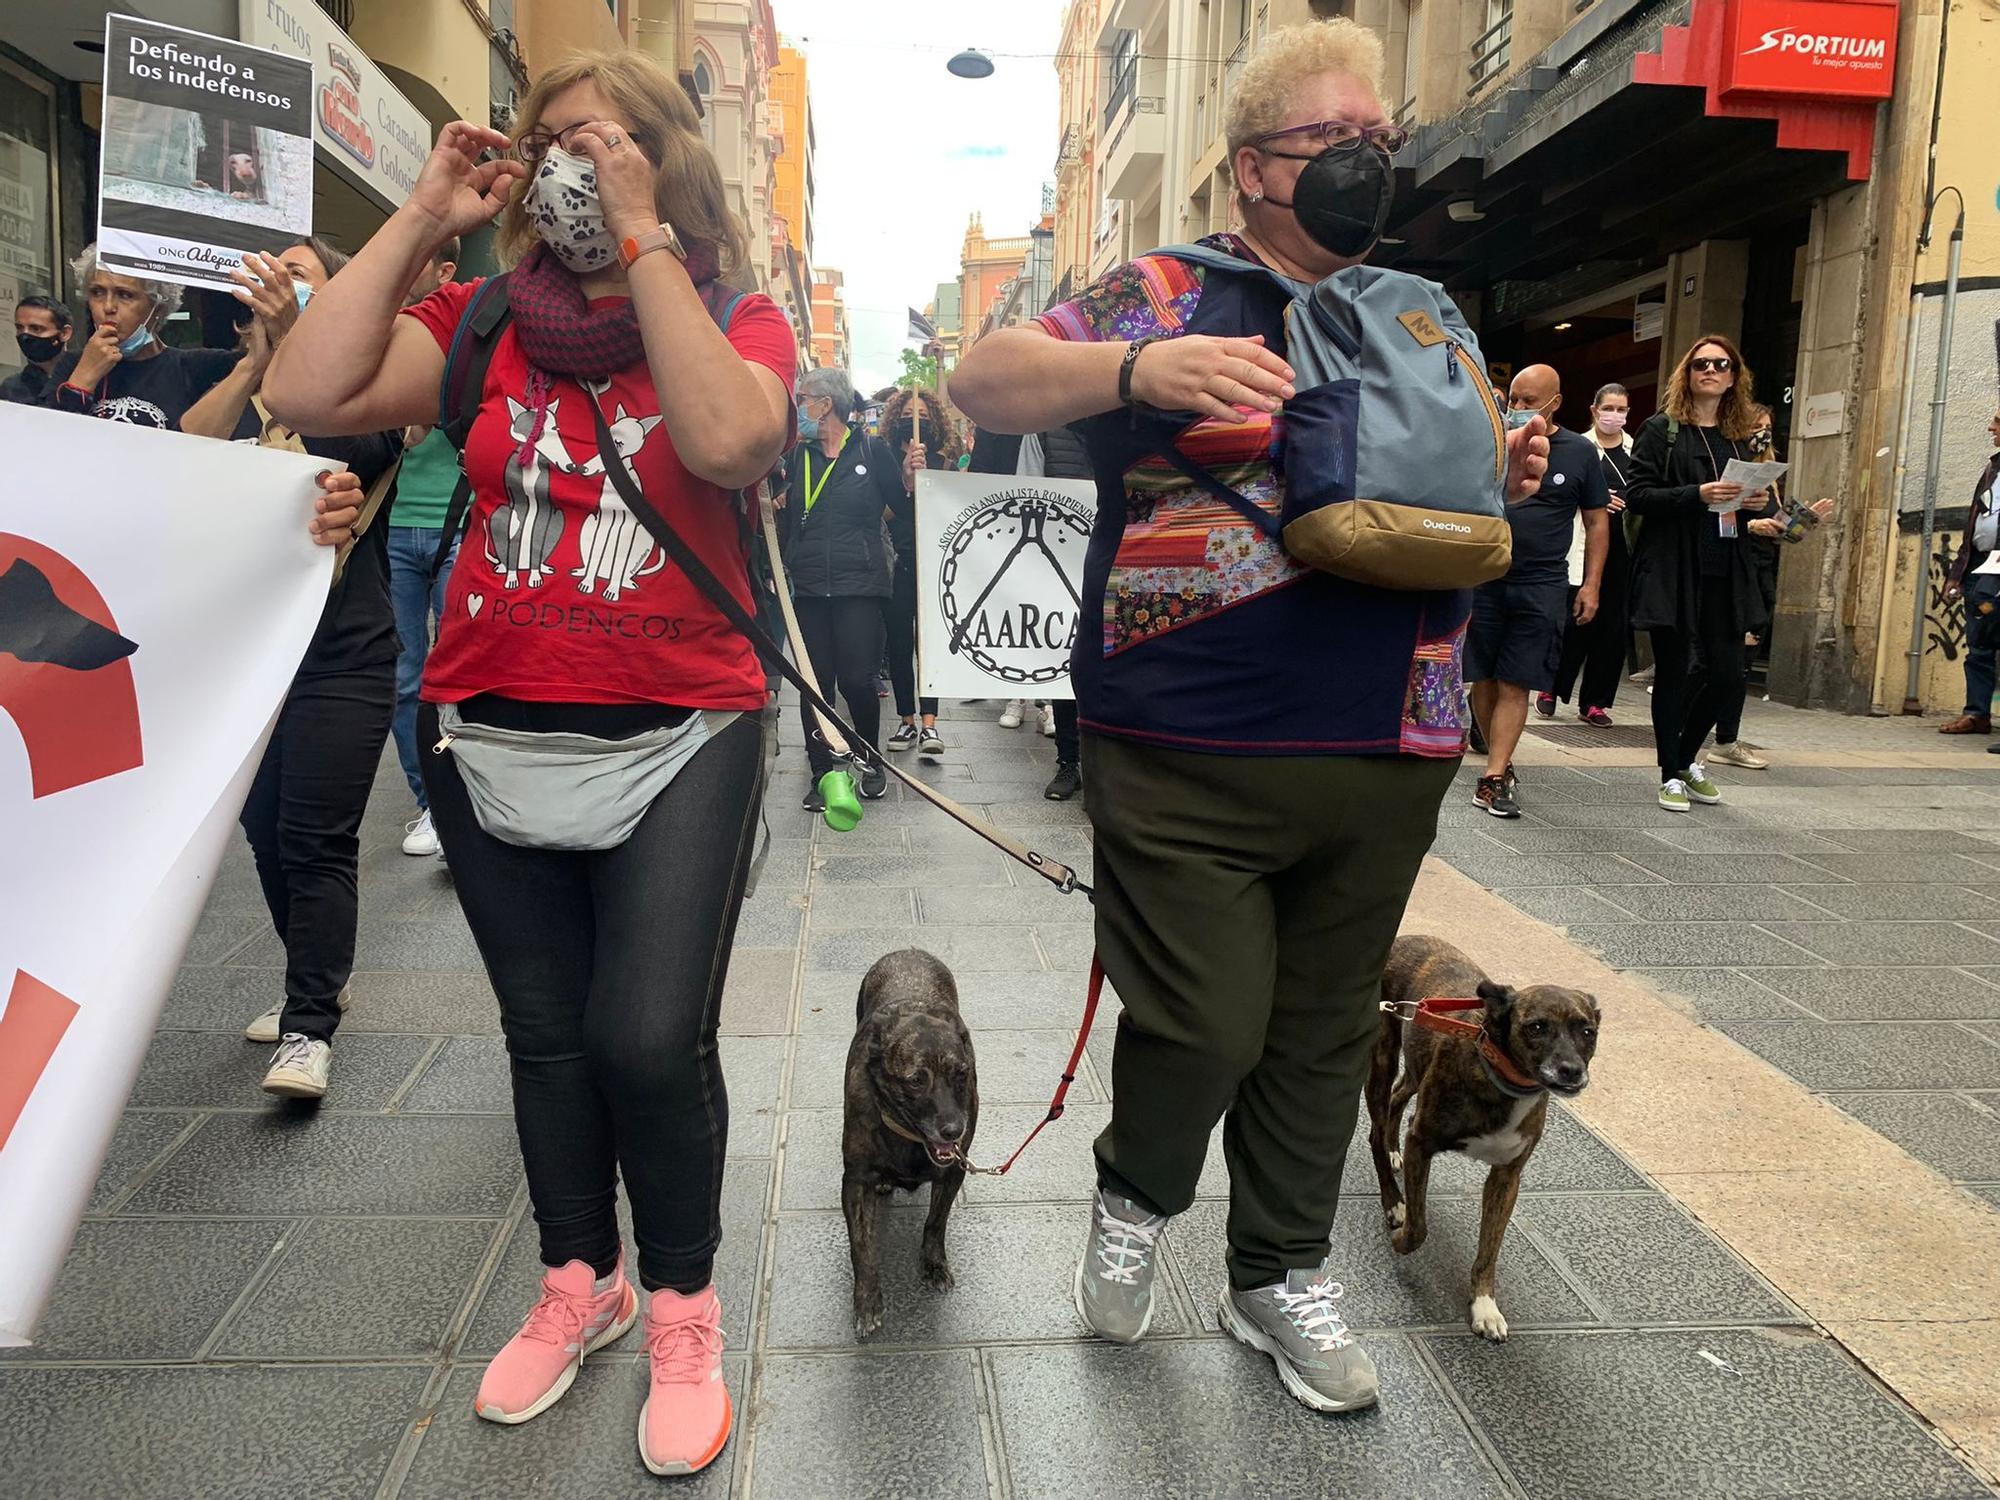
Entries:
{"x":208,"y":153}
{"x":1000,"y":582}
{"x":156,"y":594}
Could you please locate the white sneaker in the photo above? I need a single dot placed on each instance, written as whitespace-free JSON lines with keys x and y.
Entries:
{"x":1048,"y":721}
{"x":265,"y":1027}
{"x":300,"y":1068}
{"x":419,"y":838}
{"x":1010,"y":716}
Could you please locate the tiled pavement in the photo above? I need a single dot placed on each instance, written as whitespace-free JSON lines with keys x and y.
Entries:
{"x":274,"y":1303}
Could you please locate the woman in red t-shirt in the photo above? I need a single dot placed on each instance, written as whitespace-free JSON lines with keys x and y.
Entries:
{"x":603,"y":894}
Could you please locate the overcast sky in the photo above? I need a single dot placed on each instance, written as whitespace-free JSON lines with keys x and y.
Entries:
{"x":906,"y":151}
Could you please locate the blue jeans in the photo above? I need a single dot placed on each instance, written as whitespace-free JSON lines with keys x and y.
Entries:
{"x":1979,"y":664}
{"x":418,"y":600}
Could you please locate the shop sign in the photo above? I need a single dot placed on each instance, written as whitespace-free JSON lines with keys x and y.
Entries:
{"x":371,"y":133}
{"x":1822,"y":416}
{"x":1836,"y":49}
{"x":1649,"y":321}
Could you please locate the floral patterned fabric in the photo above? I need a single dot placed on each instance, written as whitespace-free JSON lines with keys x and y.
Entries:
{"x":1211,"y":636}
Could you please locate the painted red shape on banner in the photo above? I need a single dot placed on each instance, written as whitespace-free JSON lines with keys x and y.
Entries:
{"x":30,"y":1029}
{"x":78,"y":713}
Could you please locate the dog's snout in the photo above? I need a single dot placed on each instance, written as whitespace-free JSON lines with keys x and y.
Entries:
{"x":1569,"y":1074}
{"x":951,"y":1127}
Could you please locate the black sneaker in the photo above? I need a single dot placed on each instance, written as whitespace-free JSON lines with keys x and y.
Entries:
{"x":1475,"y":738}
{"x":872,"y":781}
{"x":1496,"y":797}
{"x":1067,"y":783}
{"x":813,"y":801}
{"x":905,"y":738}
{"x":932,"y":745}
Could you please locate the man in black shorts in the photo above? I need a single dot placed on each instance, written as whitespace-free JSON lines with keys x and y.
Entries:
{"x":1514,"y":644}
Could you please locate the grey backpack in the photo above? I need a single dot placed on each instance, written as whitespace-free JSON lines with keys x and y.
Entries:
{"x":1395,"y":452}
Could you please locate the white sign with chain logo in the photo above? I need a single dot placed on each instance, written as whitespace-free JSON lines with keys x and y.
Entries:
{"x":1000,"y":582}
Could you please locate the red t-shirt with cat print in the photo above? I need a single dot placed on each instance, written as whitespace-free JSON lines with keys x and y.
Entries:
{"x":559,"y":594}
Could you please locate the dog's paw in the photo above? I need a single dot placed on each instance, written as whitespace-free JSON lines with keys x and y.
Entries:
{"x":867,"y":1316}
{"x":937,"y":1275}
{"x":1486,"y":1320}
{"x":1396,"y":1214}
{"x":1405,"y":1241}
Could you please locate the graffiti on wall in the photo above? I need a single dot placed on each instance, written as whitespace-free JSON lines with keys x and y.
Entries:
{"x":1944,"y":619}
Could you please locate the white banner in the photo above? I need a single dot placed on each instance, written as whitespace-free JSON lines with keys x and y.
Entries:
{"x":156,"y":594}
{"x":999,"y":582}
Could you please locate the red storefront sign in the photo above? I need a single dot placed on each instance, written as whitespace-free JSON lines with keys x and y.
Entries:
{"x":1829,"y":49}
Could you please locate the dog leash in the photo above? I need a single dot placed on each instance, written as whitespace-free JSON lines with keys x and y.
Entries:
{"x":1056,"y":1105}
{"x":1433,"y":1014}
{"x":1058,"y":874}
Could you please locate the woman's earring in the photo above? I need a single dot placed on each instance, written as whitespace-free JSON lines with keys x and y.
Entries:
{"x":1258,"y":196}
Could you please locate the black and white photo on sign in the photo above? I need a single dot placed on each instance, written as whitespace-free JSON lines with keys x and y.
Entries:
{"x":1000,"y":582}
{"x":207,"y":153}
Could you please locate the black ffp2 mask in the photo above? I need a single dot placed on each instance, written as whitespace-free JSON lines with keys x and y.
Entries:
{"x":1342,"y":198}
{"x":37,"y":349}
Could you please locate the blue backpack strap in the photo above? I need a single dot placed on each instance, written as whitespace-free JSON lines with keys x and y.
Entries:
{"x":460,"y":392}
{"x":1211,"y":259}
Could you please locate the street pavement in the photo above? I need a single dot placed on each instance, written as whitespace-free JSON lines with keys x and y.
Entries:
{"x":269,"y":1301}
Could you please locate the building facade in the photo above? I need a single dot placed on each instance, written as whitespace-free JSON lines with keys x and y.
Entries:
{"x":986,"y":267}
{"x":791,"y":129}
{"x":831,"y":345}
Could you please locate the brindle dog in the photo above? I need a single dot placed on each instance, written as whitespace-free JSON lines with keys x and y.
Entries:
{"x":1548,"y":1033}
{"x":912,"y":1102}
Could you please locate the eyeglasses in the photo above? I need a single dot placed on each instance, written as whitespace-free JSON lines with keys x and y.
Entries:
{"x":535,"y":144}
{"x":1344,"y":135}
{"x":1720,"y":363}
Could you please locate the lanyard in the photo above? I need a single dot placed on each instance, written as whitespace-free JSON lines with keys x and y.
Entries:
{"x":813,"y":491}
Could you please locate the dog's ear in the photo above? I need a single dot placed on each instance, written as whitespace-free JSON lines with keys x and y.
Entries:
{"x":1499,"y":998}
{"x":1596,"y":1011}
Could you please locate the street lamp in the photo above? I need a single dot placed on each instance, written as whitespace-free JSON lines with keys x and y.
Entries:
{"x":971,"y":63}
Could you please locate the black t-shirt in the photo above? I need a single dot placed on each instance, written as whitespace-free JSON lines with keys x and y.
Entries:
{"x":1544,"y":524}
{"x":154,"y":392}
{"x":1710,"y":452}
{"x":358,"y":626}
{"x":28,"y":386}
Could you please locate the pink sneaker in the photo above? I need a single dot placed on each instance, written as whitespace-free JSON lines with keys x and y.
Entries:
{"x":685,"y":1421}
{"x":569,"y":1321}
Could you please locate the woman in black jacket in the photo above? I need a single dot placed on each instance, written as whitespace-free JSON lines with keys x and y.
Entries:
{"x":934,"y":447}
{"x":844,"y":486}
{"x":1695,"y":588}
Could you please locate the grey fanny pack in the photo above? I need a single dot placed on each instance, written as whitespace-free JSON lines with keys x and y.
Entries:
{"x":569,"y":791}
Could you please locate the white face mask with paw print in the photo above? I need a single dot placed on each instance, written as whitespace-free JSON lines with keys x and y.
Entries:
{"x":562,"y":206}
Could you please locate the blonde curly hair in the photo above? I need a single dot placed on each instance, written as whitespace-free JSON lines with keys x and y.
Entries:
{"x":1263,"y":93}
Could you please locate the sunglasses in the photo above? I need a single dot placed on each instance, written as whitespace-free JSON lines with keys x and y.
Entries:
{"x":1720,"y":363}
{"x":1343,"y":135}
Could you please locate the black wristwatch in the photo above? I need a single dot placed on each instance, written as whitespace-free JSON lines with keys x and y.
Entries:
{"x":1125,"y":396}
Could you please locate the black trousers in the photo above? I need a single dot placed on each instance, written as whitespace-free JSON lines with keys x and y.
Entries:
{"x":844,"y":640}
{"x":1069,"y":744}
{"x":899,"y":620}
{"x":1596,"y":651}
{"x":1698,"y":682}
{"x":303,"y":820}
{"x":610,"y":967}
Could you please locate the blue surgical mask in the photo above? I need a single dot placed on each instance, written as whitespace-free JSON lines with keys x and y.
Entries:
{"x":303,"y":291}
{"x":137,"y":342}
{"x":808,"y":426}
{"x":1516,"y":419}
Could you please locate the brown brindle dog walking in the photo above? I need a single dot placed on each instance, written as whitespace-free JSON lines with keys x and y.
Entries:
{"x":1480,"y":1088}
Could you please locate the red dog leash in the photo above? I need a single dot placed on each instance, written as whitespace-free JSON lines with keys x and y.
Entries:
{"x":1432,"y":1014}
{"x":1062,"y":1089}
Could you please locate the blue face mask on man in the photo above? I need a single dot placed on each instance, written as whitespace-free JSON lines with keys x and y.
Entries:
{"x":808,"y":425}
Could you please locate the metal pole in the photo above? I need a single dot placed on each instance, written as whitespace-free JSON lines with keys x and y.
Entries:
{"x":1899,"y":468}
{"x":1939,"y":390}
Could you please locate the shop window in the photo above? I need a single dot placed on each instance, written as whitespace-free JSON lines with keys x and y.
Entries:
{"x":28,"y":227}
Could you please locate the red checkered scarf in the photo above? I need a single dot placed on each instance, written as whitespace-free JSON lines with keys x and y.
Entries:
{"x":562,"y":335}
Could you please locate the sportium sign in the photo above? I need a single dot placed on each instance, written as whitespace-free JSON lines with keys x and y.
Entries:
{"x":1835,"y":49}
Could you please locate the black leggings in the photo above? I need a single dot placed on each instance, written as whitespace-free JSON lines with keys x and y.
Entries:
{"x":1698,"y":685}
{"x":303,"y":820}
{"x":899,"y":619}
{"x":609,"y":967}
{"x":844,"y":639}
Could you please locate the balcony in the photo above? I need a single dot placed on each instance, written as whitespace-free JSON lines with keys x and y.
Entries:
{"x":1137,"y":148}
{"x":1069,"y":155}
{"x":1492,"y":51}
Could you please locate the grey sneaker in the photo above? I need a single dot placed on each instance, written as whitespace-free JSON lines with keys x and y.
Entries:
{"x":265,"y":1027}
{"x":1296,"y":1323}
{"x":299,"y":1071}
{"x":1740,"y":754}
{"x":1114,"y":1280}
